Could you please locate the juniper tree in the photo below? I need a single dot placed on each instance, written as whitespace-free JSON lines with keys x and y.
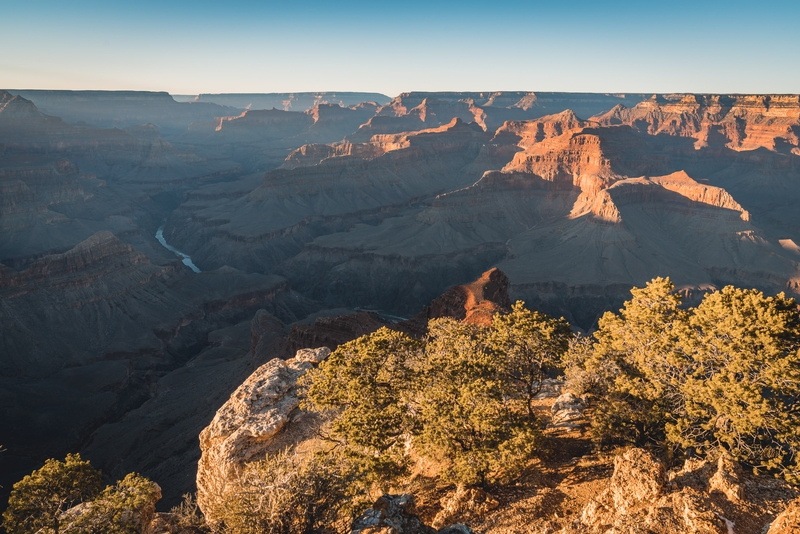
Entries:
{"x":722,"y":376}
{"x":530,"y":344}
{"x":367,"y":383}
{"x":635,"y":365}
{"x":37,"y":501}
{"x":118,"y":508}
{"x":743,"y":391}
{"x":469,"y":412}
{"x":451,"y":396}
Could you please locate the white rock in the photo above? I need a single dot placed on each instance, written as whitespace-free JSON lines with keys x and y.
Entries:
{"x":247,"y":423}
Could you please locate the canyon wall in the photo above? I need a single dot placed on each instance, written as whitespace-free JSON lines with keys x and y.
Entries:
{"x":336,"y":217}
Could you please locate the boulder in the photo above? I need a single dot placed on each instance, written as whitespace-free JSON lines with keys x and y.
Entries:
{"x":396,"y":514}
{"x":464,"y":503}
{"x":636,"y":500}
{"x":247,"y":424}
{"x":473,"y":303}
{"x":638,"y":478}
{"x":788,"y":521}
{"x":566,"y":410}
{"x":726,"y":479}
{"x":391,"y":514}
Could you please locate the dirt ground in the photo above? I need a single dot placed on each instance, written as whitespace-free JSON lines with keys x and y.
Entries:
{"x":553,"y":491}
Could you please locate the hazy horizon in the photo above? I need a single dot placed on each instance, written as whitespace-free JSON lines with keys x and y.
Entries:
{"x":246,"y":47}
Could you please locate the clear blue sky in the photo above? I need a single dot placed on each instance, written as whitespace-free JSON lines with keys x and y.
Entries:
{"x":248,"y":46}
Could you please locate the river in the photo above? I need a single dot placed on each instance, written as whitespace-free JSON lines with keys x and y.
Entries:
{"x":186,"y":259}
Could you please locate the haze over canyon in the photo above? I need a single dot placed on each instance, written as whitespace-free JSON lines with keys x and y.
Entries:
{"x":155,"y":249}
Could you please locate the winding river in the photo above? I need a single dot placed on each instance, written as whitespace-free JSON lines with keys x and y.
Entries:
{"x":186,"y":259}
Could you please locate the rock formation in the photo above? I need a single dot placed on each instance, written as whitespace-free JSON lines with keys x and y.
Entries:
{"x":697,"y":499}
{"x":738,"y":122}
{"x":245,"y":427}
{"x":290,"y":101}
{"x":263,"y":414}
{"x":788,"y":521}
{"x":396,"y":514}
{"x":473,"y":303}
{"x":338,"y":205}
{"x":489,"y":109}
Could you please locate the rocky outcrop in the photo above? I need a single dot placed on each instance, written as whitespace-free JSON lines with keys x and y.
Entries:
{"x":738,"y":122}
{"x":245,"y":426}
{"x":396,"y":514}
{"x":473,"y":303}
{"x":726,"y":480}
{"x":636,"y":498}
{"x":788,"y":521}
{"x":463,"y":506}
{"x":391,"y":514}
{"x":700,"y":498}
{"x":675,"y":189}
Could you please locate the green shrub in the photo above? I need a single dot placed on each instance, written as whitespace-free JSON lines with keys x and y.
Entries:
{"x":469,"y":414}
{"x":742,"y":392}
{"x":290,"y":494}
{"x":366,"y":381}
{"x":633,"y":366}
{"x":119,"y":509}
{"x":722,"y":376}
{"x":462,"y":397}
{"x":531,"y":345}
{"x":37,"y":501}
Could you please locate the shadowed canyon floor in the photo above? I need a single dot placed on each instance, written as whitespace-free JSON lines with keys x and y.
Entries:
{"x":331,"y":203}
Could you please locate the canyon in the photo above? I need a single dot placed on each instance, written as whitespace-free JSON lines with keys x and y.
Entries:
{"x":315,"y":218}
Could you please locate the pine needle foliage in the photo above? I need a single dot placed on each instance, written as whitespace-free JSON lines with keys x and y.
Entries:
{"x":469,"y":414}
{"x":461,"y":397}
{"x":531,"y":346}
{"x":724,"y":376}
{"x":116,"y":510}
{"x":37,"y":501}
